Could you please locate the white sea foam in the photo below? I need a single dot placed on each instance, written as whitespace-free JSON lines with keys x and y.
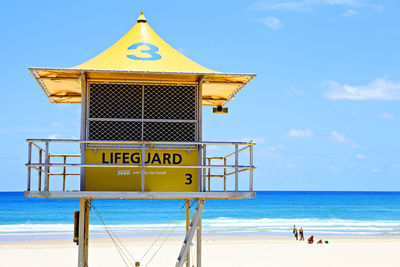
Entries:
{"x":42,"y":228}
{"x":231,"y":225}
{"x":330,"y":226}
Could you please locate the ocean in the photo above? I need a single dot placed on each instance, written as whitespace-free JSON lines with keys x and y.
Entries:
{"x":271,"y":213}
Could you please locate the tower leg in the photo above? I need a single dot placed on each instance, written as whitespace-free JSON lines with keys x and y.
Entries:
{"x":83,"y":249}
{"x":187,"y":229}
{"x":198,"y":236}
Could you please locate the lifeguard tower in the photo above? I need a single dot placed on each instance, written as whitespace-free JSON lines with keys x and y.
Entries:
{"x":141,"y":133}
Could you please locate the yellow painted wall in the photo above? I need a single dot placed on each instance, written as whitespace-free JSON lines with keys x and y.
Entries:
{"x":129,"y":179}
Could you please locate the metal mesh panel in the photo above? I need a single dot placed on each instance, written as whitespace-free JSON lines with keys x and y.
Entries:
{"x":137,"y":112}
{"x":123,"y":101}
{"x":170,"y":131}
{"x":169,"y":102}
{"x":115,"y":130}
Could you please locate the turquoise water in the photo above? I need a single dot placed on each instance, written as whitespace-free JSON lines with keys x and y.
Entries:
{"x":321,"y":213}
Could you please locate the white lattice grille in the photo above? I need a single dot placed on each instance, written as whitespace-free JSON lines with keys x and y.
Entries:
{"x":142,"y":112}
{"x":169,"y":102}
{"x":119,"y":101}
{"x":169,"y":131}
{"x":115,"y":130}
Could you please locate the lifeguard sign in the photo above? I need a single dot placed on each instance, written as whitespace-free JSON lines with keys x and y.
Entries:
{"x":141,"y":132}
{"x":130,"y":179}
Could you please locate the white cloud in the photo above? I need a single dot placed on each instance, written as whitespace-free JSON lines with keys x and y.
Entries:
{"x":360,"y":156}
{"x":350,"y":13}
{"x":337,"y":137}
{"x":386,"y":116}
{"x":272,"y":23}
{"x":341,"y":138}
{"x":306,"y":133}
{"x":375,"y":170}
{"x":380,"y":89}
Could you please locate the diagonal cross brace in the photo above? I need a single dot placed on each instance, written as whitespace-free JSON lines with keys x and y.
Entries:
{"x":190,"y":234}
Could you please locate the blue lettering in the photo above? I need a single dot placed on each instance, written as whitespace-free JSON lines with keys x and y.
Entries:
{"x":103,"y":157}
{"x":175,"y":156}
{"x":148,"y":158}
{"x":156,"y":158}
{"x":125,"y":157}
{"x":135,"y":159}
{"x":166,"y":157}
{"x":117,"y":157}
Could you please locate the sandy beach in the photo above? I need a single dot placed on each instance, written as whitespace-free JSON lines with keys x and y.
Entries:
{"x":219,"y":251}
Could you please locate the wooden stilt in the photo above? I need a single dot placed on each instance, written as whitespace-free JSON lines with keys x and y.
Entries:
{"x":198,"y":235}
{"x":83,"y":249}
{"x":187,"y":228}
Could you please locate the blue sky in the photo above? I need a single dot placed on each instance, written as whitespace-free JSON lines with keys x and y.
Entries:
{"x":324,"y":108}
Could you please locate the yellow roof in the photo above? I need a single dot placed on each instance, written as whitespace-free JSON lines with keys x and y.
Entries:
{"x":140,"y":55}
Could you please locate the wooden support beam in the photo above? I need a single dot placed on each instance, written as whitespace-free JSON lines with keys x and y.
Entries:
{"x":83,"y":249}
{"x":198,"y":245}
{"x":187,"y":229}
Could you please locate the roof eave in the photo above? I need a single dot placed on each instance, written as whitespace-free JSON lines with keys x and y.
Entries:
{"x":139,"y":72}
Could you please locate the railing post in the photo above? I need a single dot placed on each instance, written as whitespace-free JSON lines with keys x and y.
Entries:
{"x":209,"y":175}
{"x":143,"y":160}
{"x":204,"y":164}
{"x":200,"y":171}
{"x":28,"y":187}
{"x":236,"y":168}
{"x":251,"y":171}
{"x":40,"y":172}
{"x":187,"y":228}
{"x":64,"y":171}
{"x":225,"y":175}
{"x":47,"y":168}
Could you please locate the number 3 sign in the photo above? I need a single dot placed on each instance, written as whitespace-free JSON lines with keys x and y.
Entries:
{"x":152,"y":51}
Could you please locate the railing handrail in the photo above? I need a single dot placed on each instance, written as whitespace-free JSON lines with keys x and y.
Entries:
{"x":137,"y":142}
{"x":139,"y":165}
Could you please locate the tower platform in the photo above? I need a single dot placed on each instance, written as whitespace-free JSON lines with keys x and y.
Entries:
{"x":140,"y":195}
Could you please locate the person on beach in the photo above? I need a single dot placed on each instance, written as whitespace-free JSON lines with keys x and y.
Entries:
{"x":295,"y":232}
{"x":310,"y":240}
{"x":301,"y":234}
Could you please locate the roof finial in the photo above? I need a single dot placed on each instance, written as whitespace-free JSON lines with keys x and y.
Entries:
{"x":141,"y":18}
